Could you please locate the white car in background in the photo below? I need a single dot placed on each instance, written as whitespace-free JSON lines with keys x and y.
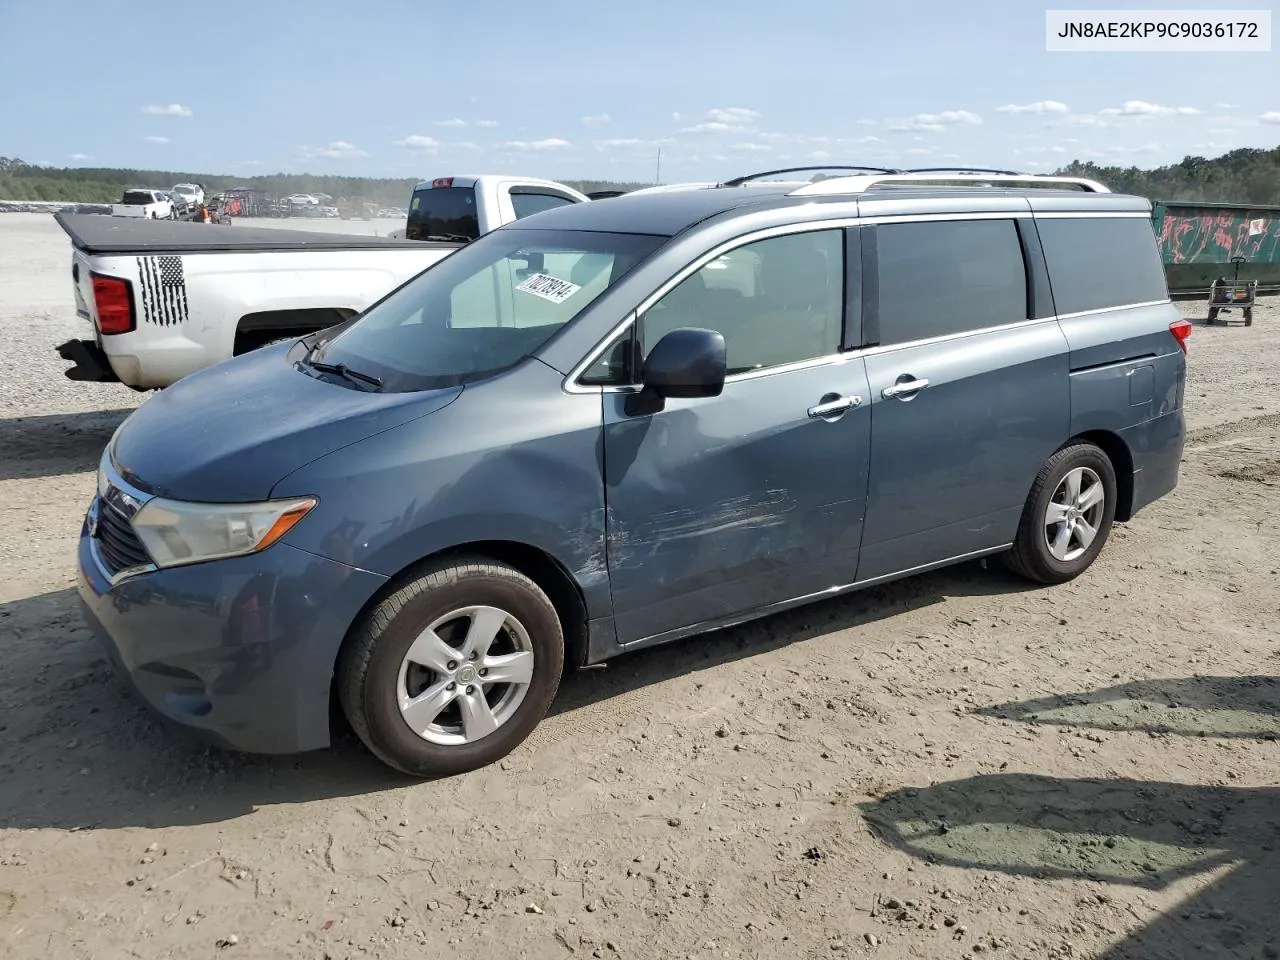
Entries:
{"x":143,"y":202}
{"x":193,"y":193}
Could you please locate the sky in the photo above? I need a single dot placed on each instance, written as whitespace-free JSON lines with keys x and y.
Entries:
{"x":576,"y":90}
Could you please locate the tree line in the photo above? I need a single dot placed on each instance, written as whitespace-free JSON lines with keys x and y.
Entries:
{"x":1248,"y":175}
{"x":24,"y":181}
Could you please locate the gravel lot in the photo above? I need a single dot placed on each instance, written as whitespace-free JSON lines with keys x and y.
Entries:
{"x":952,"y":766}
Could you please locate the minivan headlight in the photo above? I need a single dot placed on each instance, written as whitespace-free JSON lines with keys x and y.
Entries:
{"x":175,"y":533}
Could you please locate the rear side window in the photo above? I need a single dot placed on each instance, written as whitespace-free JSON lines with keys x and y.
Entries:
{"x":947,"y":277}
{"x":1100,"y":262}
{"x":527,"y":204}
{"x":442,"y":213}
{"x":138,"y":198}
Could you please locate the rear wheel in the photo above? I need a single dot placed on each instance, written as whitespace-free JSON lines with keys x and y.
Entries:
{"x":1067,"y":516}
{"x":453,"y":670}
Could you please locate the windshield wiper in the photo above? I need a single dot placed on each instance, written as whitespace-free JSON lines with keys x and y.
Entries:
{"x":448,"y":237}
{"x":342,"y":370}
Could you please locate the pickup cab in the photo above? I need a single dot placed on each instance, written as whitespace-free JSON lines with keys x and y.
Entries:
{"x":149,"y":204}
{"x":165,"y":300}
{"x":453,"y":209}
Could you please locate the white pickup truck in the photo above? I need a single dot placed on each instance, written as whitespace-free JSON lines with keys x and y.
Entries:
{"x":149,"y":204}
{"x":166,"y":299}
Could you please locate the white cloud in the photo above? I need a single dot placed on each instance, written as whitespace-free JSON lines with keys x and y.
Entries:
{"x":714,"y":126}
{"x":455,"y":122}
{"x":1082,"y":120}
{"x":733,"y":115}
{"x":868,"y":123}
{"x":1271,"y":116}
{"x":1227,"y":106}
{"x":1039,"y":106}
{"x":486,"y":123}
{"x":820,"y":155}
{"x":157,"y":140}
{"x":751,"y":148}
{"x":951,"y":156}
{"x":169,"y":110}
{"x":1070,"y":140}
{"x":250,"y":163}
{"x":1141,"y":108}
{"x":465,"y":145}
{"x":622,"y":142}
{"x":335,"y":150}
{"x":936,"y":122}
{"x":80,"y":156}
{"x":418,"y":142}
{"x":551,"y":143}
{"x":596,"y":119}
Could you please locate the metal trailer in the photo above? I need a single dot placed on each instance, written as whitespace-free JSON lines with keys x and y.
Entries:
{"x":1199,"y":244}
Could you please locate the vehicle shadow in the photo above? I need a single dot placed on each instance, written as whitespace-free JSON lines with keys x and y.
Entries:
{"x":1245,"y":707}
{"x":1141,"y":834}
{"x":78,"y":751}
{"x":57,"y":444}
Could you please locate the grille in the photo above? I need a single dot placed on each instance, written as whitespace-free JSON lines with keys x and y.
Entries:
{"x":118,"y":545}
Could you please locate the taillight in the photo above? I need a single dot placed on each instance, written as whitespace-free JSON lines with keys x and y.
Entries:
{"x":442,"y":182}
{"x":1181,"y":330}
{"x":114,"y":300}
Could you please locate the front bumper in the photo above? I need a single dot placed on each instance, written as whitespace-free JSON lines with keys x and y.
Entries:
{"x":240,"y":651}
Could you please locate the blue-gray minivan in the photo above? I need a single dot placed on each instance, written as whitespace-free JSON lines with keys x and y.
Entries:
{"x":623,"y":422}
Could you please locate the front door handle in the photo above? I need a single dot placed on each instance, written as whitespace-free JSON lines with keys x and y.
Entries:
{"x":832,"y":406}
{"x":904,"y":388}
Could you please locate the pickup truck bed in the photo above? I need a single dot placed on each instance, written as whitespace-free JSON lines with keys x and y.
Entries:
{"x":119,"y":235}
{"x":185,"y":295}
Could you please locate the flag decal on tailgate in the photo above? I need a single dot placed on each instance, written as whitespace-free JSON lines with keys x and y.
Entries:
{"x":164,"y":290}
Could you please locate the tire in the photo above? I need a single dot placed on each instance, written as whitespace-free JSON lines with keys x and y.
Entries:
{"x":375,"y":673}
{"x":1032,"y":555}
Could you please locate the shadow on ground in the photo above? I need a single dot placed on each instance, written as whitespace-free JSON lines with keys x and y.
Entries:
{"x":1245,"y":707}
{"x":56,"y":444}
{"x":78,"y":751}
{"x":1140,"y":834}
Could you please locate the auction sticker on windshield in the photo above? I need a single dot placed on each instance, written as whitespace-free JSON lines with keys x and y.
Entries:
{"x":549,"y":288}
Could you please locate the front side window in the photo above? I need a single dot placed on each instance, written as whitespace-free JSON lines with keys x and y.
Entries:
{"x":527,"y":204}
{"x":945,"y":277}
{"x":483,"y":309}
{"x":775,"y":301}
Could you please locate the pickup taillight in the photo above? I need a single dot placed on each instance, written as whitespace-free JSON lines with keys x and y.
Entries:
{"x":113,"y":298}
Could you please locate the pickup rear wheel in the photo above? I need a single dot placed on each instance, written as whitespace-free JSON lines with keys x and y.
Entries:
{"x":1067,"y":516}
{"x":454,"y":669}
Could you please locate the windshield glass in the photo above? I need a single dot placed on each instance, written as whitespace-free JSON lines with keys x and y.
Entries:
{"x":483,"y":309}
{"x":442,"y":212}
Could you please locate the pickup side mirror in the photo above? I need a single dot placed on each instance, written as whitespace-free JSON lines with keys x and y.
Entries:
{"x":687,"y":362}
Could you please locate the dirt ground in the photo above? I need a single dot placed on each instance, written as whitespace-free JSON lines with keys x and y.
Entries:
{"x":952,"y":766}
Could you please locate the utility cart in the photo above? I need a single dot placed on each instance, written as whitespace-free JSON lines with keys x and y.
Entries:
{"x":1227,"y":295}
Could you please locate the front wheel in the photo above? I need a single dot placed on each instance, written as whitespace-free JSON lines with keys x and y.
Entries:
{"x":1067,"y":516}
{"x":454,"y":670}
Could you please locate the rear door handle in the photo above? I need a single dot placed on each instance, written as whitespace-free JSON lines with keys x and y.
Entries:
{"x":833,"y":407}
{"x":903,"y":388}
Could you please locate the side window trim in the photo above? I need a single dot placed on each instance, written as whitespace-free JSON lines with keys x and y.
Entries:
{"x":870,"y":260}
{"x":1039,"y":295}
{"x":851,"y":323}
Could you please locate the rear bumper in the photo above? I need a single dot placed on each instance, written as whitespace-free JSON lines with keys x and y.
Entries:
{"x":88,"y":362}
{"x":238,"y":651}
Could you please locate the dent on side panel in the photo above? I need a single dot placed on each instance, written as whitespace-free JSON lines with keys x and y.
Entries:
{"x":513,"y":459}
{"x":1125,"y":367}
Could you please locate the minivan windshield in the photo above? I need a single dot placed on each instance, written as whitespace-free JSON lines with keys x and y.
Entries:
{"x":483,"y":309}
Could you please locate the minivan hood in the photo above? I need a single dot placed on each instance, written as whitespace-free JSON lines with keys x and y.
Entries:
{"x":229,"y":432}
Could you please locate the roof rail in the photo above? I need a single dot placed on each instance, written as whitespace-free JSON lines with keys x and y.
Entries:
{"x":739,"y":181}
{"x":1010,"y":173}
{"x":839,"y":185}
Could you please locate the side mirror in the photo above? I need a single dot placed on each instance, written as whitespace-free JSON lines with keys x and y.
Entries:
{"x":688,"y":362}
